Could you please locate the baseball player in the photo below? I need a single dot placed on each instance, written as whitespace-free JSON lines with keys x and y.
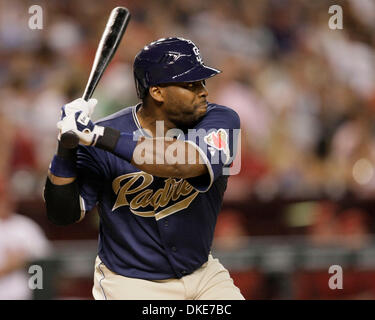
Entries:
{"x":158,"y":191}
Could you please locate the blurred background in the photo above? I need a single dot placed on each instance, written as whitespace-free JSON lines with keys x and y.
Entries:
{"x":304,"y":199}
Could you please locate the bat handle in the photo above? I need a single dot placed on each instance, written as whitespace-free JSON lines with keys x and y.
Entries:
{"x":69,"y":139}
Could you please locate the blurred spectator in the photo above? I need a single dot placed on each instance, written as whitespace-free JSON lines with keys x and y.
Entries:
{"x":231,"y":230}
{"x":331,"y":225}
{"x":21,"y":242}
{"x":18,"y":163}
{"x":353,"y":228}
{"x":7,"y":134}
{"x":323,"y":230}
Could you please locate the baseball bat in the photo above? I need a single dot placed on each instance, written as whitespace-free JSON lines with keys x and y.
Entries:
{"x":109,"y":42}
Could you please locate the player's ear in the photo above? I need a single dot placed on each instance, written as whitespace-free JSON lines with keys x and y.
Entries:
{"x":156,"y":93}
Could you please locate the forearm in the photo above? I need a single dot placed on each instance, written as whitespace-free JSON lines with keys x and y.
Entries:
{"x":165,"y":157}
{"x":59,"y":180}
{"x":62,"y":202}
{"x":162,"y":157}
{"x":61,"y":192}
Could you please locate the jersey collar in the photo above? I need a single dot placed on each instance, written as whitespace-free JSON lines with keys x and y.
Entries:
{"x":136,"y":120}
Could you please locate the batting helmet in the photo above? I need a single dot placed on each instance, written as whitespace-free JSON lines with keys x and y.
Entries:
{"x":169,"y":60}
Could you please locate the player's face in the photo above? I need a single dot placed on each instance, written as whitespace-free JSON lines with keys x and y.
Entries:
{"x":185,"y":103}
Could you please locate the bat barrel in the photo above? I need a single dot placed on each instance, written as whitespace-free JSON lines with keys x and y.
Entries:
{"x":108,"y":45}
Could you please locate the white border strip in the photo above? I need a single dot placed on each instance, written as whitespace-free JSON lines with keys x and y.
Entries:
{"x":83,"y":208}
{"x":207,"y":162}
{"x":100,"y":281}
{"x":135,"y":118}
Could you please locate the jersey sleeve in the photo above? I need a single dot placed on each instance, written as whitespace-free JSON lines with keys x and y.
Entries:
{"x":91,"y":174}
{"x":215,"y":137}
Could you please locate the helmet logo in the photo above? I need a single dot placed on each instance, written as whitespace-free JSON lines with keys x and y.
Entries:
{"x":197,"y":55}
{"x":172,"y":57}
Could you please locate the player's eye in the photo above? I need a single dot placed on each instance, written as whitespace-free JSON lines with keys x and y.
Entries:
{"x":186,"y":85}
{"x":195,"y":85}
{"x":191,"y":85}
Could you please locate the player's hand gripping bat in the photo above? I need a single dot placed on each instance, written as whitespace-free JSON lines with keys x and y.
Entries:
{"x":108,"y":45}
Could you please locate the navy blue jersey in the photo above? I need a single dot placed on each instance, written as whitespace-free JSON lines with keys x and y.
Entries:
{"x":152,"y":227}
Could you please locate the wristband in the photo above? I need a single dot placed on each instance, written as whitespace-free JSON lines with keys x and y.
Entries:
{"x":108,"y":139}
{"x":122,"y":144}
{"x":63,"y":163}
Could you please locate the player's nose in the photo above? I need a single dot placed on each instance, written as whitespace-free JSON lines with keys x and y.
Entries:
{"x":202,"y":90}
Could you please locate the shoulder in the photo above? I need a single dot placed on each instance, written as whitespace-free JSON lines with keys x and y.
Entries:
{"x":119,"y":119}
{"x":223,"y":113}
